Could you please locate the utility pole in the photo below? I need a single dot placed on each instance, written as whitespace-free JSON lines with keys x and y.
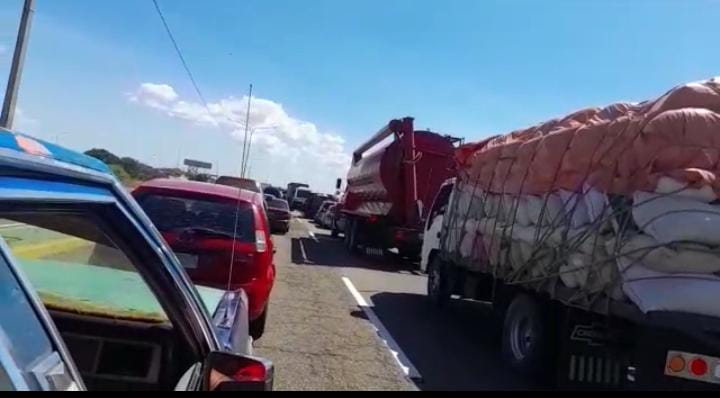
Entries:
{"x":245,"y":141}
{"x":8,"y":109}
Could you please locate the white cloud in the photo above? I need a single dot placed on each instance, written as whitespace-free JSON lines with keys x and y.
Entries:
{"x":154,"y":95}
{"x":299,"y":147}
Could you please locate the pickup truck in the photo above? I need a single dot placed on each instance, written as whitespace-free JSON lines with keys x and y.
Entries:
{"x":91,"y":296}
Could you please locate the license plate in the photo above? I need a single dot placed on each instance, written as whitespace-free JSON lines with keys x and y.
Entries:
{"x":188,"y":261}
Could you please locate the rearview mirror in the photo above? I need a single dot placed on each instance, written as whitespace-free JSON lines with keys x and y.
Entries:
{"x":231,"y":372}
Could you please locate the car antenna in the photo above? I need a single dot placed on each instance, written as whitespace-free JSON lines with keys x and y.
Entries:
{"x":237,"y":205}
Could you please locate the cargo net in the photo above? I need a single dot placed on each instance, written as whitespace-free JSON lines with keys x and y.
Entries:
{"x":608,"y":205}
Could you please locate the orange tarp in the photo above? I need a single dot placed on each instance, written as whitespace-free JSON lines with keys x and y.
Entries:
{"x":619,"y":149}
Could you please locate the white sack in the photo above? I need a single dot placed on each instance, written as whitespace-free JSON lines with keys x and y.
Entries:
{"x":673,"y":218}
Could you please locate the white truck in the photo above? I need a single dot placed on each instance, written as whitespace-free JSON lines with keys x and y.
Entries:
{"x":611,"y":283}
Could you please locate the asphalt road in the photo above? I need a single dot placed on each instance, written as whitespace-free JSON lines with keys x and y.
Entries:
{"x":320,"y":338}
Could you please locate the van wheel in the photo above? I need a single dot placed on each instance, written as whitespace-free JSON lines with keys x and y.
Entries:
{"x":526,"y":337}
{"x":257,"y":327}
{"x":438,"y":283}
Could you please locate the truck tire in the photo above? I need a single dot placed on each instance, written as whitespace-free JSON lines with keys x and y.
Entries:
{"x":527,"y":341}
{"x":351,"y":236}
{"x":438,"y":283}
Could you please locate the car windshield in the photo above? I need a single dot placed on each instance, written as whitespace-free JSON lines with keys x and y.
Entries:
{"x":173,"y":214}
{"x":278,"y":204}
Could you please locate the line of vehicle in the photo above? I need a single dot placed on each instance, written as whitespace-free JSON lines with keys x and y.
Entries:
{"x":405,"y":364}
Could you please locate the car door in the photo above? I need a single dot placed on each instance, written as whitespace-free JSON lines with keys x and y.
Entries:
{"x":32,"y":355}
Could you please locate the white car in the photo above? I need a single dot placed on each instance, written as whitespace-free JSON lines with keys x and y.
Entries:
{"x":328,"y":217}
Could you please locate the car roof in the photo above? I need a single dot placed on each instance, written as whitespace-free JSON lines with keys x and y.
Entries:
{"x":217,"y":190}
{"x":40,"y":149}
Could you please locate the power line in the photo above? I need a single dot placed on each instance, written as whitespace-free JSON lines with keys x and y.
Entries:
{"x":180,"y":55}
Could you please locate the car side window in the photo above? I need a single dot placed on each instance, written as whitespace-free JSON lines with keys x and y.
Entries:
{"x":24,"y":340}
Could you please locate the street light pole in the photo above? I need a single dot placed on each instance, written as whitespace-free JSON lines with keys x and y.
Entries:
{"x":9,"y":105}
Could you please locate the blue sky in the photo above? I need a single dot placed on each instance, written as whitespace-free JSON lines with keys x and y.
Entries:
{"x":332,"y":72}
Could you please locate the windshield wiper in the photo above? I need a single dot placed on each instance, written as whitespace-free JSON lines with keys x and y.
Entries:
{"x":207,"y":231}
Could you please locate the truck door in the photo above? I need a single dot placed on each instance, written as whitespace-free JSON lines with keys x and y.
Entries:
{"x":32,"y":355}
{"x":434,"y":222}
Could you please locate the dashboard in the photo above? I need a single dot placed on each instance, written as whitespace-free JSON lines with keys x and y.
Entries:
{"x":122,"y":355}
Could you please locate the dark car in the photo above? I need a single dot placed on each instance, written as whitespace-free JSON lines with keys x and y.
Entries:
{"x":273,"y":191}
{"x":315,"y":203}
{"x":220,"y":234}
{"x":279,"y":214}
{"x":92,"y":297}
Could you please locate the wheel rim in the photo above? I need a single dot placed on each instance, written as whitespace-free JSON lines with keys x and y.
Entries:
{"x":522,"y":338}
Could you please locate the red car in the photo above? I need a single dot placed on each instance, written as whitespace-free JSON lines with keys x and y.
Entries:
{"x":198,"y":220}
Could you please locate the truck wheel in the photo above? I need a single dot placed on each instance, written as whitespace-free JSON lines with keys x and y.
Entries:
{"x":438,"y":283}
{"x":257,"y":327}
{"x":348,"y":232}
{"x":351,"y":237}
{"x":526,"y":337}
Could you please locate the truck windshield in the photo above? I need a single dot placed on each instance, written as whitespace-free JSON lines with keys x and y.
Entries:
{"x":179,"y":214}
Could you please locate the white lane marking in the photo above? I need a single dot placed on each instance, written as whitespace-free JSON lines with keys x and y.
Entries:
{"x":407,"y":367}
{"x":307,"y":228}
{"x":312,"y":235}
{"x":304,"y":254}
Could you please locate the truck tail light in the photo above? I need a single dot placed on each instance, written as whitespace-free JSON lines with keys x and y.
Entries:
{"x":372,"y":219}
{"x":260,"y":242}
{"x":693,"y":367}
{"x":676,"y":364}
{"x":698,"y":367}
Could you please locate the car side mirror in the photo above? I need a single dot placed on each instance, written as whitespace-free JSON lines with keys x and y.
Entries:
{"x":338,"y":184}
{"x":225,"y":371}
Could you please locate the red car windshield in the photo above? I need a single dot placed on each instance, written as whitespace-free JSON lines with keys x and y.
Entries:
{"x":208,"y":217}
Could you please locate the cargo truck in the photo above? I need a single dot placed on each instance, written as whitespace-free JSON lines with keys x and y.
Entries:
{"x":392,"y":179}
{"x":595,"y":243}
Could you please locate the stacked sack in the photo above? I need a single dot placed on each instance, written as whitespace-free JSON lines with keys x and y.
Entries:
{"x":549,"y":201}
